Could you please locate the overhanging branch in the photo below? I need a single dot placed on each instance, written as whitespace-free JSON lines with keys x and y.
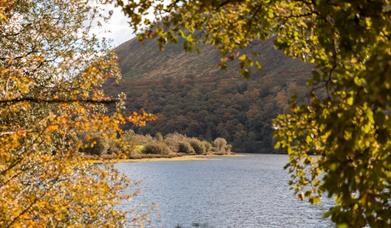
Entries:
{"x":58,"y":100}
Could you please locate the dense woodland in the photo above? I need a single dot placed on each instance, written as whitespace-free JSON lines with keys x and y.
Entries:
{"x":191,"y":95}
{"x":240,"y":111}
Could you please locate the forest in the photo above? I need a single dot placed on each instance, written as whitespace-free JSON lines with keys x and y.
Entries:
{"x":239,"y":111}
{"x":190,"y":95}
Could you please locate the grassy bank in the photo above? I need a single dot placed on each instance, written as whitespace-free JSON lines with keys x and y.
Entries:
{"x":135,"y":147}
{"x":155,"y":158}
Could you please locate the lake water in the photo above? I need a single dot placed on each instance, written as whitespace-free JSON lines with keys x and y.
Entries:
{"x":245,"y":191}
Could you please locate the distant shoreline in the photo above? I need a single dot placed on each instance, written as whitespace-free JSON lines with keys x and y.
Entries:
{"x":173,"y":158}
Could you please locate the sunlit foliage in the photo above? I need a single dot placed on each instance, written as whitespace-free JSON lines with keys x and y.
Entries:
{"x":51,"y":74}
{"x":5,"y":7}
{"x":347,"y":121}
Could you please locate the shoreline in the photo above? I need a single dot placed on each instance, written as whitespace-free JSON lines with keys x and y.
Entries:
{"x":177,"y":158}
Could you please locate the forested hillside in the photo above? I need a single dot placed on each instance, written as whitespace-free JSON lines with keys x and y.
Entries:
{"x":193,"y":96}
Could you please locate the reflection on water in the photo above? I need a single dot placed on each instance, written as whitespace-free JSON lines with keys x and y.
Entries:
{"x":247,"y":191}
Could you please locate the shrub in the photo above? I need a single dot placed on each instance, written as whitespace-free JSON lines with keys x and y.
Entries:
{"x":208,"y":146}
{"x":159,"y":137}
{"x":156,"y":148}
{"x":134,"y":150}
{"x":172,"y":144}
{"x":185,"y":147}
{"x":173,"y":140}
{"x":198,"y":146}
{"x":95,"y":146}
{"x":221,"y":145}
{"x":177,"y":137}
{"x":228,"y":148}
{"x":129,"y":143}
{"x":138,"y":149}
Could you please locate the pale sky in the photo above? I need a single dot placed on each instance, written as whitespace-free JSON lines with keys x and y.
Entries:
{"x":117,"y":29}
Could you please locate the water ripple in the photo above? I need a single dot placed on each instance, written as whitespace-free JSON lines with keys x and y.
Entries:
{"x":247,"y":191}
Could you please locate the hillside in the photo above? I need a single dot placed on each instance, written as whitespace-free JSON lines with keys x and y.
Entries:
{"x":193,"y":96}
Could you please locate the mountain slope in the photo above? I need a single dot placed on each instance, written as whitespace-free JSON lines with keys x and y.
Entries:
{"x":193,"y":96}
{"x":145,"y":61}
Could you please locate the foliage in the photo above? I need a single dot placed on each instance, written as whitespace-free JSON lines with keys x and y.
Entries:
{"x":156,"y":148}
{"x":128,"y":144}
{"x":51,"y":74}
{"x":221,"y":145}
{"x":208,"y":146}
{"x":198,"y":146}
{"x":239,"y":111}
{"x":185,"y":147}
{"x":159,"y":137}
{"x":349,"y":128}
{"x":5,"y":7}
{"x":139,"y":146}
{"x":173,"y":140}
{"x":95,"y":146}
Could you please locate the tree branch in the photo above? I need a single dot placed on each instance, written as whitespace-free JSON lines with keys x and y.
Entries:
{"x":59,"y":100}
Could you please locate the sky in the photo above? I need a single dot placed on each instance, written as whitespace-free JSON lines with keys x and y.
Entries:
{"x":117,"y":29}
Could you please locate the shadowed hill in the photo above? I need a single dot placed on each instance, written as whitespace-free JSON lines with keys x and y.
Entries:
{"x":193,"y":96}
{"x":145,"y":61}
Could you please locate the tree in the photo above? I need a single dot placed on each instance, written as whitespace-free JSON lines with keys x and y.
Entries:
{"x":51,"y":72}
{"x":5,"y":6}
{"x":346,"y":122}
{"x":220,"y":144}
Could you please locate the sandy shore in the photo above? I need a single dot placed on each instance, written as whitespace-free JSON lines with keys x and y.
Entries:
{"x":179,"y":158}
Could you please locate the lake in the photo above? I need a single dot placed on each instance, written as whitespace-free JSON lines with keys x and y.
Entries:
{"x":244,"y":191}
